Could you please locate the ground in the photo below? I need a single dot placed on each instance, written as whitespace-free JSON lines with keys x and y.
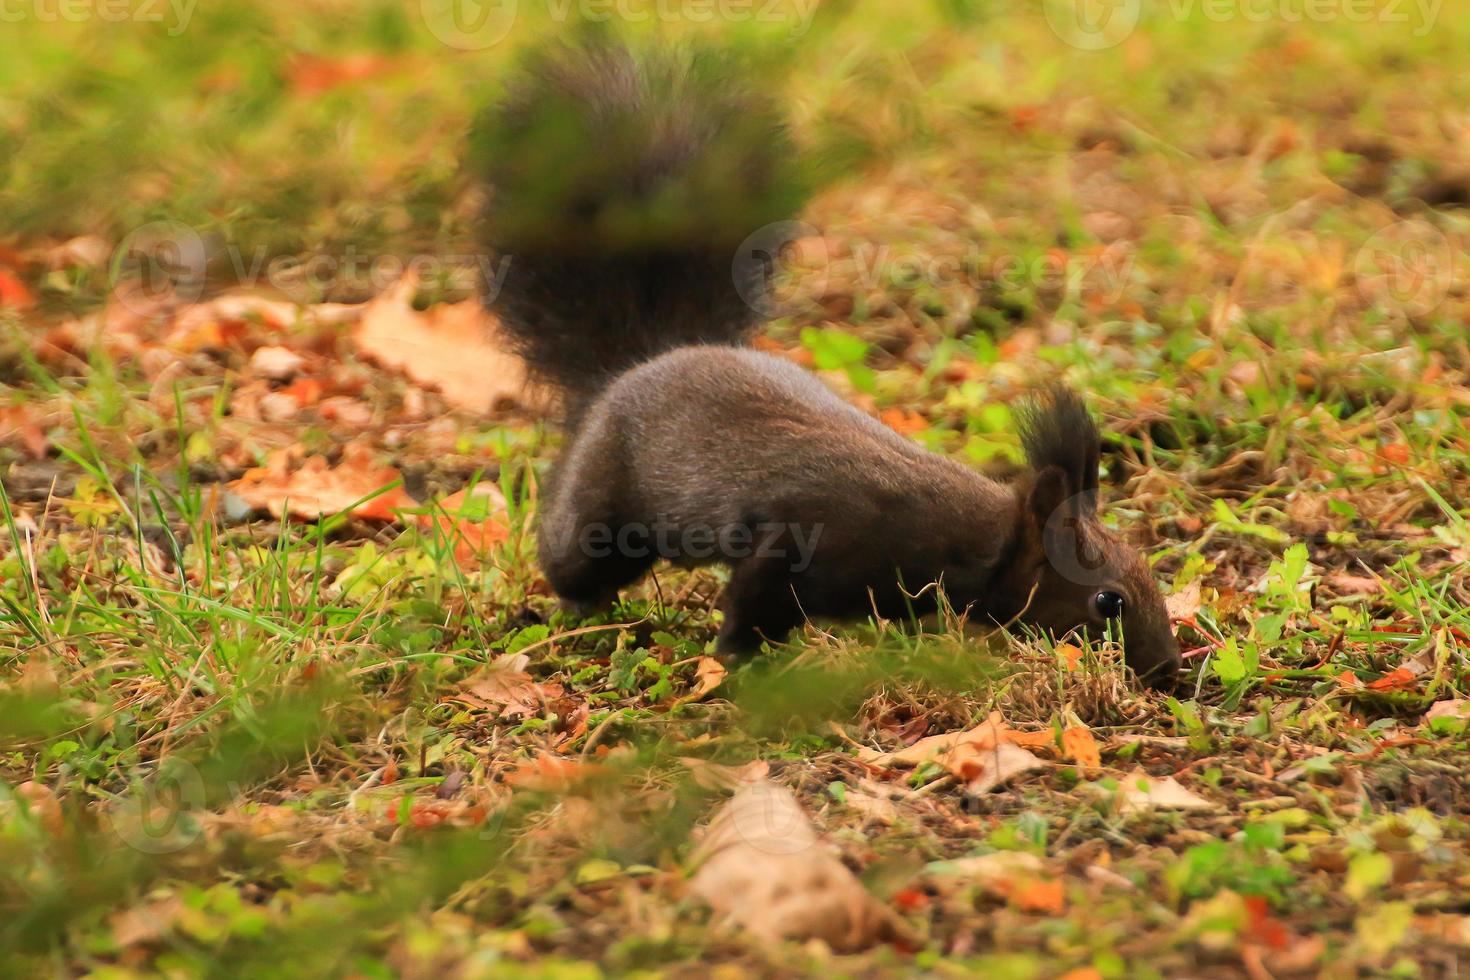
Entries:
{"x":237,"y":742}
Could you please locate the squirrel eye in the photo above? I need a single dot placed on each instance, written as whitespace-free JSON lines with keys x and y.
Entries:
{"x":1109,"y":605}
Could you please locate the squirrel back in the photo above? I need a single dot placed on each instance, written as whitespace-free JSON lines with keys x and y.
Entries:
{"x":623,"y":186}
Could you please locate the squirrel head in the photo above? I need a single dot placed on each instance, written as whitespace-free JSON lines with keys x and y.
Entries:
{"x":1069,"y":572}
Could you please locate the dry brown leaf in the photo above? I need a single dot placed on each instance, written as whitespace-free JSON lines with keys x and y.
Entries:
{"x":987,"y":769}
{"x":1453,"y":708}
{"x":1345,"y":584}
{"x":45,"y":808}
{"x":713,"y":775}
{"x":20,"y":426}
{"x":993,"y":872}
{"x":709,"y":674}
{"x":315,"y":489}
{"x":276,"y":363}
{"x":762,"y":867}
{"x":935,"y":747}
{"x":449,"y":348}
{"x":1184,"y":604}
{"x":877,"y":808}
{"x":506,"y":687}
{"x":1140,"y":791}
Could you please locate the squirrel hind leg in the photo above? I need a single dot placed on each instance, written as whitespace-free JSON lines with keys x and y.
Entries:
{"x":584,"y":570}
{"x":759,"y":605}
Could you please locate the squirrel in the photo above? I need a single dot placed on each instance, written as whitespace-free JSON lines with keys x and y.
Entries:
{"x":623,"y":189}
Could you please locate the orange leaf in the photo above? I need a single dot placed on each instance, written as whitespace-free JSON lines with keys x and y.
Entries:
{"x":1081,"y":747}
{"x":447,"y":347}
{"x":1265,"y":928}
{"x":1399,"y":679}
{"x":1070,"y":653}
{"x":316,"y":489}
{"x":13,"y":292}
{"x":1396,"y":452}
{"x":473,"y":536}
{"x":903,"y":422}
{"x":1040,"y":895}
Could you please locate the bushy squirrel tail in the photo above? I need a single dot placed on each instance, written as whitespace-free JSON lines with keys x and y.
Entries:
{"x":625,"y":189}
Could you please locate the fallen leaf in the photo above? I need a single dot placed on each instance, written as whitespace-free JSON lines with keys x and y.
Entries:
{"x":475,"y":519}
{"x":44,"y":807}
{"x":1344,"y":584}
{"x":1070,"y":653}
{"x":989,"y":768}
{"x":709,"y":674}
{"x":762,"y":867}
{"x":932,"y":747}
{"x":1453,"y":708}
{"x":713,"y":775}
{"x":1140,"y":791}
{"x":448,"y":347}
{"x":13,"y":292}
{"x":1044,"y":895}
{"x":872,"y":807}
{"x":276,"y":363}
{"x":903,"y":422}
{"x":505,"y":687}
{"x":86,"y":251}
{"x":1184,"y":604}
{"x":311,"y":74}
{"x":1079,"y":746}
{"x":984,"y":757}
{"x":19,"y":427}
{"x":315,"y":489}
{"x":993,"y":872}
{"x":1398,"y":679}
{"x":550,"y":774}
{"x":1347,"y":679}
{"x":1082,"y":973}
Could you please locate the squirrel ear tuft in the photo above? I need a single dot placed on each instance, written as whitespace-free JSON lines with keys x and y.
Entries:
{"x":1057,"y":432}
{"x":1049,"y":493}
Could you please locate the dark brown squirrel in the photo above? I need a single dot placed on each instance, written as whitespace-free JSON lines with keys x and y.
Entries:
{"x":626,"y":193}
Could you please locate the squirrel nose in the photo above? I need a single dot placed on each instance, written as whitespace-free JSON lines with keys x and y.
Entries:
{"x":1158,"y":664}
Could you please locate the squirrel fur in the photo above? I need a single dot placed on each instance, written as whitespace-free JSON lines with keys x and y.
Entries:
{"x":623,"y":188}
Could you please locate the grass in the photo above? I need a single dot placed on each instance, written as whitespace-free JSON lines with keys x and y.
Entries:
{"x":248,"y":742}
